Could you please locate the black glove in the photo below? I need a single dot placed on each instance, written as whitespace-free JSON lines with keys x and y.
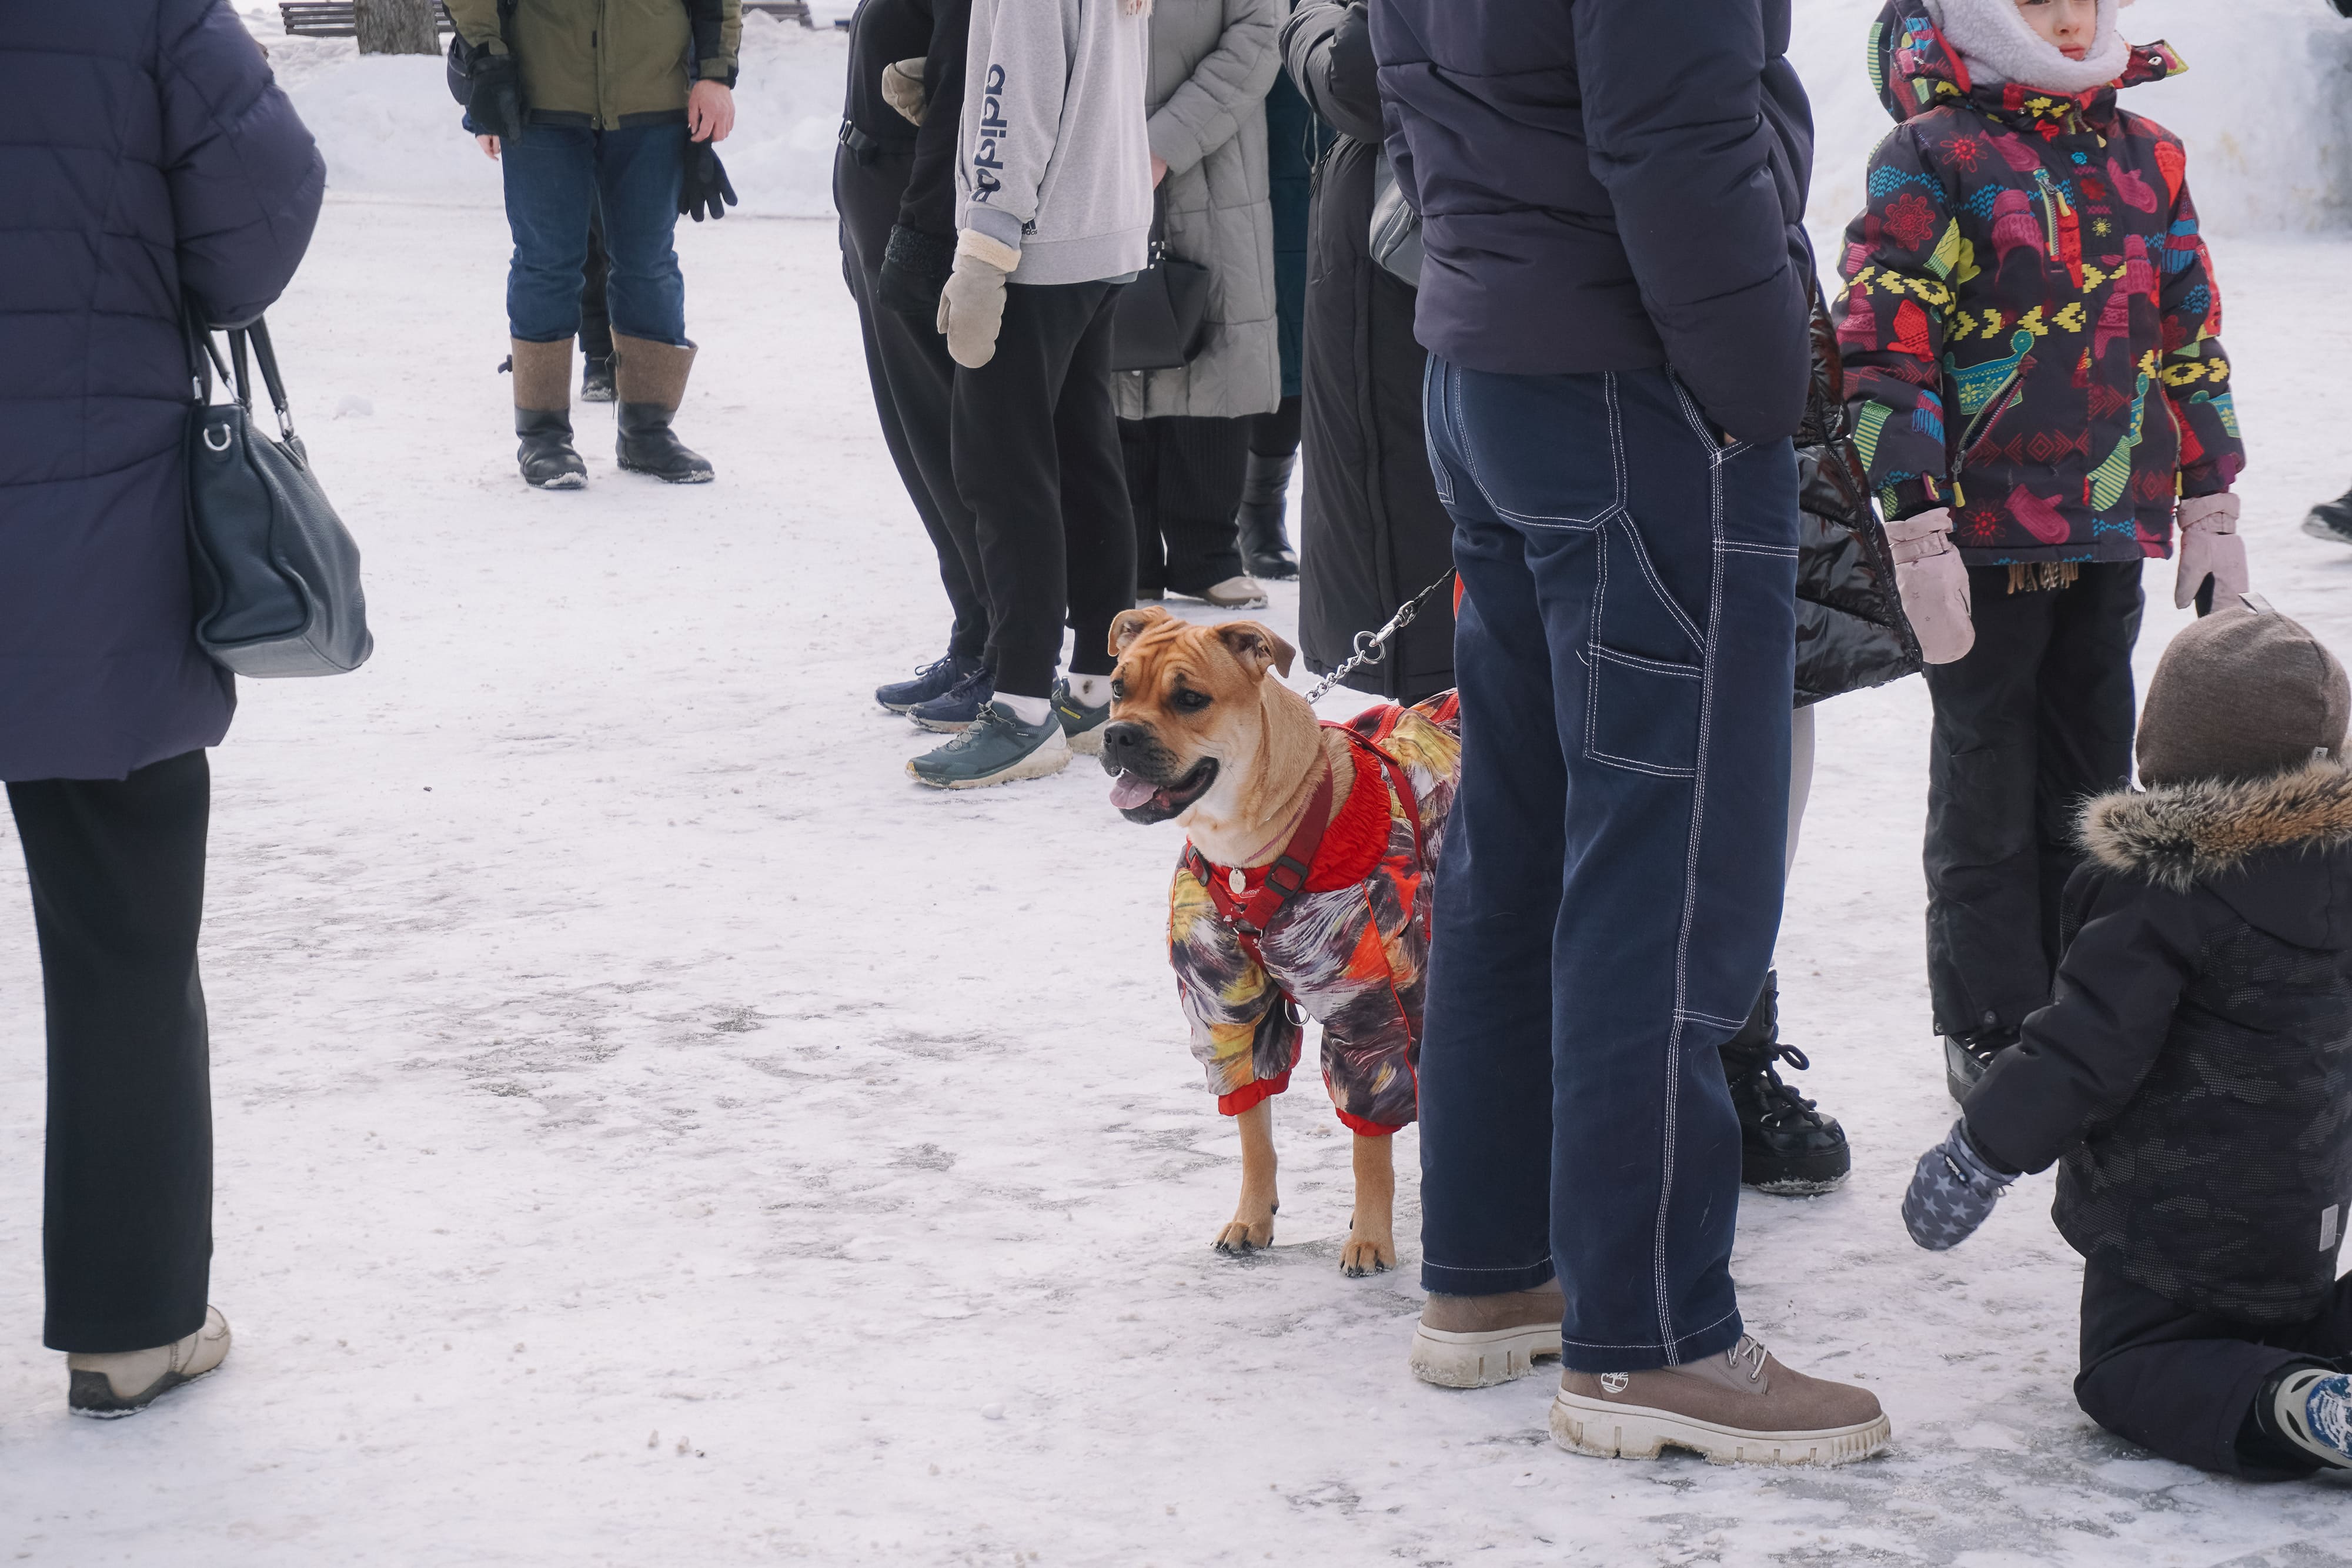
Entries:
{"x":915,"y":268}
{"x":494,"y":103}
{"x":704,"y":188}
{"x":1952,"y":1192}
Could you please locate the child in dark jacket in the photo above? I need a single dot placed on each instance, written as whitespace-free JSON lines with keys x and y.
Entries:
{"x":2193,"y":1078}
{"x":2039,"y":394}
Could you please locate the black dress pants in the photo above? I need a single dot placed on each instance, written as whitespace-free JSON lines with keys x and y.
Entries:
{"x":118,"y":877}
{"x":2035,"y":721}
{"x":1184,"y":477}
{"x":908,"y":365}
{"x":2183,"y":1382}
{"x":1036,"y":459}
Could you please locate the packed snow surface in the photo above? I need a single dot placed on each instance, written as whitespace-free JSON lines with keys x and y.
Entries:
{"x":652,"y":1131}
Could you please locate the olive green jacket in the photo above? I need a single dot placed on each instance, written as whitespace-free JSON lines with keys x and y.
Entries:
{"x":607,"y":63}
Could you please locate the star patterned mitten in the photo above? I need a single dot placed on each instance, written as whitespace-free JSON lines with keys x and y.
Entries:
{"x":1952,"y":1192}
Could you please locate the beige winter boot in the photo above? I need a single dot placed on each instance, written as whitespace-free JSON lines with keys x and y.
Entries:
{"x":1476,"y":1342}
{"x":1739,"y":1407}
{"x":122,"y":1382}
{"x":649,"y":382}
{"x":542,"y":396}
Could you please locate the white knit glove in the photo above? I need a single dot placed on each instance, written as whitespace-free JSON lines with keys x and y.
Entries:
{"x":902,"y":89}
{"x":971,"y":306}
{"x":2209,"y":547}
{"x":1934,"y":583}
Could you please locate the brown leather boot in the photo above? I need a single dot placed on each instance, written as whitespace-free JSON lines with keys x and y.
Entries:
{"x":1741,"y":1407}
{"x":543,"y":397}
{"x":1476,"y":1342}
{"x":649,"y":381}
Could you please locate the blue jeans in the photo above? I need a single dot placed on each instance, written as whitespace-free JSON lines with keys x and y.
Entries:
{"x":1610,"y":885}
{"x":554,"y":176}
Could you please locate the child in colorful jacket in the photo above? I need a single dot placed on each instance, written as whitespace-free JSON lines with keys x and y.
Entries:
{"x":2029,"y":333}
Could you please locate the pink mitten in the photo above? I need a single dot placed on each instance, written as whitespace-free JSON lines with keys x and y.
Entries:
{"x":1934,"y":584}
{"x":2209,"y":547}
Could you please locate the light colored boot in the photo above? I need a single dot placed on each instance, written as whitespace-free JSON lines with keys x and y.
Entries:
{"x":122,"y":1382}
{"x":1476,"y":1342}
{"x":1739,"y":1407}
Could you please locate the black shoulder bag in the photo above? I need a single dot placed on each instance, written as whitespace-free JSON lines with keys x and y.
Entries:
{"x":1162,"y":318}
{"x":276,"y":574}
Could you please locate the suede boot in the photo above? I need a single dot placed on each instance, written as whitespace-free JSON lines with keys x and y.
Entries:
{"x":1264,"y":541}
{"x":1476,"y":1342}
{"x":650,"y":380}
{"x":1786,"y":1146}
{"x":1741,"y":1407}
{"x":543,"y":397}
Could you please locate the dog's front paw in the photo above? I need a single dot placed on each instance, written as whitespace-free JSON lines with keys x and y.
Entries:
{"x":1367,"y":1255}
{"x":1241,"y":1237}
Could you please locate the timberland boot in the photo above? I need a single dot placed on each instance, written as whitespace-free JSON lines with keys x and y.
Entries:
{"x":543,"y":397}
{"x":1740,"y":1406}
{"x":1264,"y":541}
{"x":1786,"y":1146}
{"x":650,"y":380}
{"x":121,"y":1382}
{"x":1476,"y":1342}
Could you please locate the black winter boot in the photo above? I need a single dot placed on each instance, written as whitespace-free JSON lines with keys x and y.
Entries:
{"x":1966,"y":1057}
{"x":2331,"y":521}
{"x":1786,"y":1146}
{"x":542,"y":395}
{"x":595,"y":378}
{"x":1266,"y":543}
{"x":649,"y":379}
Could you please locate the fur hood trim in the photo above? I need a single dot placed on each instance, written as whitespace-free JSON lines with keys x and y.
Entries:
{"x":2176,"y":834}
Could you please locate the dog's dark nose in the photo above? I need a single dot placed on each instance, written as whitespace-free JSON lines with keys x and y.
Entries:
{"x":1124,"y":740}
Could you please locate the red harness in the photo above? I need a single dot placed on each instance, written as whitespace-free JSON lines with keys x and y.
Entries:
{"x":1251,"y":915}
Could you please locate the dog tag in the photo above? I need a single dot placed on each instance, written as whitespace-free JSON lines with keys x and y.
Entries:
{"x":1238,"y":881}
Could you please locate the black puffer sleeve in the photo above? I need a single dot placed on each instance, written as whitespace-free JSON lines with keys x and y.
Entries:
{"x":1327,"y":47}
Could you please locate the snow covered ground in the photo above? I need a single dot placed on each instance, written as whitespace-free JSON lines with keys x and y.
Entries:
{"x":651,"y":1131}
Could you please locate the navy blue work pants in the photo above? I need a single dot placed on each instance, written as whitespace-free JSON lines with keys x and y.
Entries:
{"x":556,"y":177}
{"x":1612,"y":878}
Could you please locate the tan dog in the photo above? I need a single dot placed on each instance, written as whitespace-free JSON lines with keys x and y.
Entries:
{"x":1197,"y":732}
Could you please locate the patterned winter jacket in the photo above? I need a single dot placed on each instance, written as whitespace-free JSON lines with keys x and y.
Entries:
{"x":2030,"y":321}
{"x":1349,"y":950}
{"x":2193,"y":1076}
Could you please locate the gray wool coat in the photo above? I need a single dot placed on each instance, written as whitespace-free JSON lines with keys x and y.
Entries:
{"x":1212,"y":63}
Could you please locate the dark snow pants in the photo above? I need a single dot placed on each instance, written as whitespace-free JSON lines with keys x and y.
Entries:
{"x":1037,"y":455}
{"x":2035,"y":721}
{"x":1610,"y":885}
{"x":1184,"y":478}
{"x":595,"y":318}
{"x":908,"y":366}
{"x":2183,"y":1382}
{"x":117,"y":869}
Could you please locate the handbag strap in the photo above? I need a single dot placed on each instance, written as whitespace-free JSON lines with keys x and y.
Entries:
{"x":248,"y":345}
{"x":266,"y":357}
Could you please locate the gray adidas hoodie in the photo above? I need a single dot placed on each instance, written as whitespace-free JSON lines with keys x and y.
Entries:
{"x":1055,"y":159}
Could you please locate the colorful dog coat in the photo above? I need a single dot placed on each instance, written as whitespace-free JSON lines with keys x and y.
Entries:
{"x":1349,"y":950}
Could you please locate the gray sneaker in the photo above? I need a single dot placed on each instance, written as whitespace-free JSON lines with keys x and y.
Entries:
{"x":995,"y":748}
{"x":1081,"y":726}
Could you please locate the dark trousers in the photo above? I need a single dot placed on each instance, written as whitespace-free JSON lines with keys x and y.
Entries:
{"x":2184,"y":1383}
{"x":595,"y":319}
{"x":1184,"y":477}
{"x":2035,"y":721}
{"x":908,"y":366}
{"x":555,"y":178}
{"x":118,"y":877}
{"x":1035,"y":447}
{"x":1275,"y":434}
{"x":1612,"y":878}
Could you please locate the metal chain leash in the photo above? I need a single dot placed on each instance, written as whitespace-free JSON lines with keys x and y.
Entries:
{"x":1371,"y":647}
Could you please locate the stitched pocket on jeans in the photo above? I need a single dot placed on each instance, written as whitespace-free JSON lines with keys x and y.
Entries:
{"x":1641,"y":713}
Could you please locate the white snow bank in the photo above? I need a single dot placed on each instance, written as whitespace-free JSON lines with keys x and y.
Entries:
{"x":2264,"y":109}
{"x":390,"y":130}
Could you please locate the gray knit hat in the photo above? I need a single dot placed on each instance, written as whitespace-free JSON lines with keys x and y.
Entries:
{"x":2240,"y":694}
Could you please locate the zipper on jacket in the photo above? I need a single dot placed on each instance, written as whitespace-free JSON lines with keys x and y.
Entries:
{"x":1983,"y":421}
{"x":2049,"y":207}
{"x":596,"y":58}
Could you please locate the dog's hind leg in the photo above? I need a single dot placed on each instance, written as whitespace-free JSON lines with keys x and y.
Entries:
{"x":1252,"y":1223}
{"x":1372,"y":1233}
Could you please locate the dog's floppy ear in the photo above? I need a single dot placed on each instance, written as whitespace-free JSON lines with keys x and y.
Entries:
{"x":1129,"y":624}
{"x":1256,"y":647}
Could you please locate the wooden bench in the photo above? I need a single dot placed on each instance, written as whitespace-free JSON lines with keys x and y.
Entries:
{"x":338,"y":18}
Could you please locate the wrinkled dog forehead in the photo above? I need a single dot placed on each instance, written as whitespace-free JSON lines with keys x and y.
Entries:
{"x":1166,"y":654}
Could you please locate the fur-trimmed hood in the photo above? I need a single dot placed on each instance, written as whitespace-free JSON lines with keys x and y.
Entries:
{"x":2177,"y":835}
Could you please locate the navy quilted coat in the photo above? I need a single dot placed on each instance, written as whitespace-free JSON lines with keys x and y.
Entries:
{"x":143,"y":149}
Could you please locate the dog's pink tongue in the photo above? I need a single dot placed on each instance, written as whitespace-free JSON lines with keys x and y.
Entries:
{"x":1129,"y":791}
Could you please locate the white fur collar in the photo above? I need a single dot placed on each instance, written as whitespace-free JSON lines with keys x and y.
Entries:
{"x":2001,"y":45}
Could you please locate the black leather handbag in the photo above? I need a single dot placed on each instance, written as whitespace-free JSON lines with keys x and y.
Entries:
{"x":1162,"y":318}
{"x":1395,"y":237}
{"x":276,"y":574}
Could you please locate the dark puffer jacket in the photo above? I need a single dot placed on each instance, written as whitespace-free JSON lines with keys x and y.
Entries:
{"x":2030,"y":320}
{"x":1607,"y":185}
{"x":143,"y":150}
{"x":2193,"y":1077}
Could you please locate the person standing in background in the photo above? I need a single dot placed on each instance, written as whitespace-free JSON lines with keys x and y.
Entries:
{"x":199,"y":184}
{"x":1186,"y":431}
{"x":1294,"y":141}
{"x":595,"y":110}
